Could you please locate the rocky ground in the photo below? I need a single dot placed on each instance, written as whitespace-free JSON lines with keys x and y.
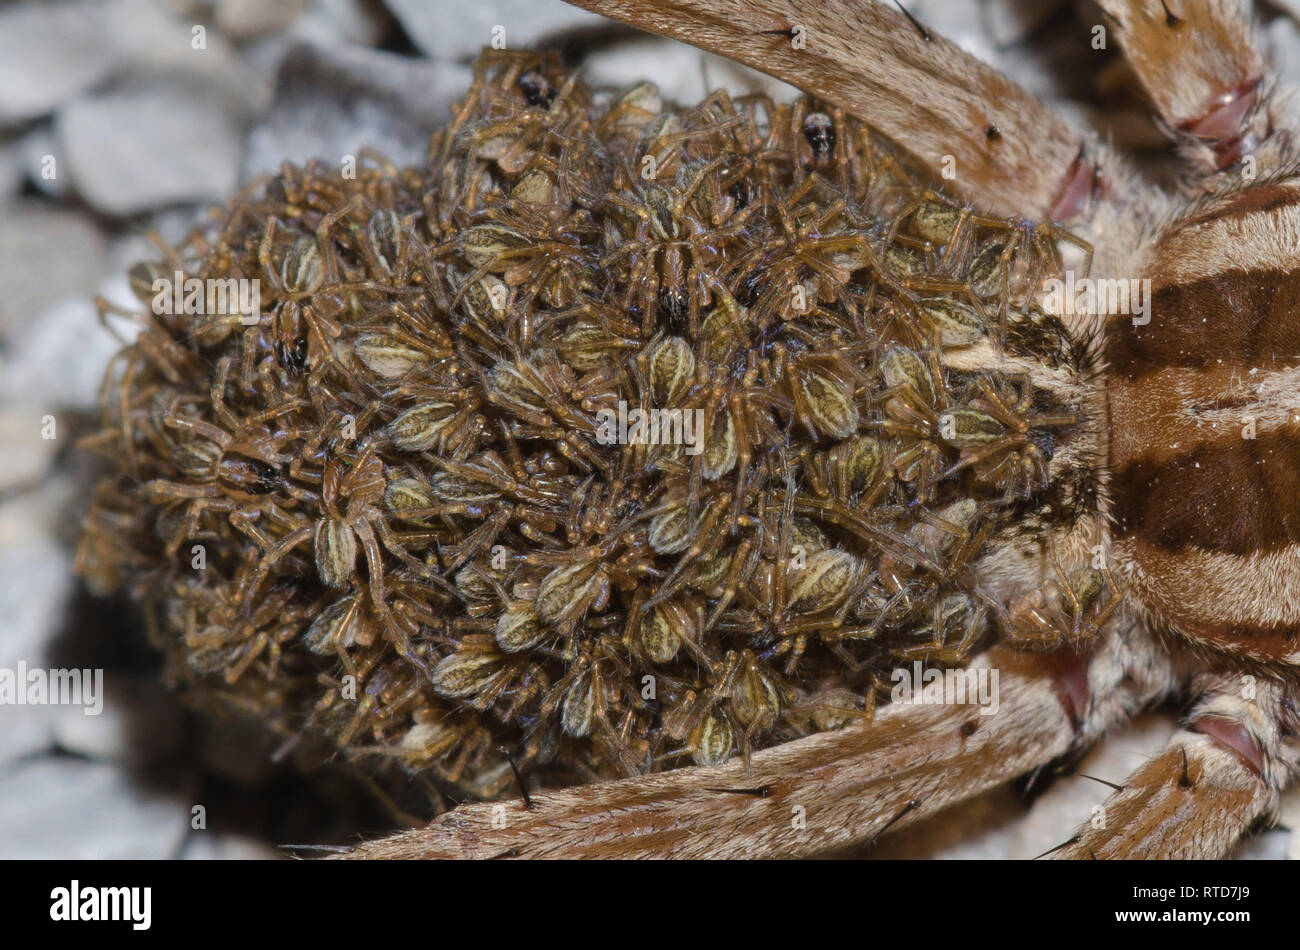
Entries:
{"x":116,"y":121}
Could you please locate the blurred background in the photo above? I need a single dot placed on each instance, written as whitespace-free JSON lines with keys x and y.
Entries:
{"x":119,"y":118}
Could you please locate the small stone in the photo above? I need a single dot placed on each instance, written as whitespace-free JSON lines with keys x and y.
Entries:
{"x":71,"y":809}
{"x":344,"y":21}
{"x":26,"y":455}
{"x":330,"y":102}
{"x":50,"y":52}
{"x":153,"y":142}
{"x":46,"y":255}
{"x":36,"y":579}
{"x":243,"y":20}
{"x":162,"y":41}
{"x":57,"y":360}
{"x":459,"y":32}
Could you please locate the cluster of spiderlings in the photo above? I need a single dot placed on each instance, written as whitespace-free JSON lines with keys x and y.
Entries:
{"x":384,"y":515}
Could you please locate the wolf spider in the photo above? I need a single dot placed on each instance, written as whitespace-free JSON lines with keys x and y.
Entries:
{"x":1202,"y":599}
{"x":1008,"y":458}
{"x":671,"y":254}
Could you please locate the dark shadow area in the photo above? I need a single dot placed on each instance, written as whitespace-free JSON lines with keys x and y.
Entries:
{"x":222,"y":763}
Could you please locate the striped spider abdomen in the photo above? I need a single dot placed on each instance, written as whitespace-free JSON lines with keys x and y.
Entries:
{"x":1205,"y":412}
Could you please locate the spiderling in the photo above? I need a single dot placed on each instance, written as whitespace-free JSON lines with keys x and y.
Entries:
{"x":419,"y":548}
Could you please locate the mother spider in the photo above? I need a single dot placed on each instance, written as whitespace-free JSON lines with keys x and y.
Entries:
{"x":1190,"y":423}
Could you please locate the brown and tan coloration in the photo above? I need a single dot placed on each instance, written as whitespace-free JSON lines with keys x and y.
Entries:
{"x":1208,"y":86}
{"x":1201,"y":71}
{"x":1013,"y":156}
{"x":1204,"y":406}
{"x":1140,"y":593}
{"x":824,"y":793}
{"x":1216,"y":778}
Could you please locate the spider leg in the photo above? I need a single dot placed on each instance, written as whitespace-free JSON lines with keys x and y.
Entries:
{"x":1217,"y":776}
{"x":1012,"y":155}
{"x":1203,"y":73}
{"x":847,"y":786}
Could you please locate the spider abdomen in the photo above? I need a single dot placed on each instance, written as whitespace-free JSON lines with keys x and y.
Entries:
{"x":1204,"y":404}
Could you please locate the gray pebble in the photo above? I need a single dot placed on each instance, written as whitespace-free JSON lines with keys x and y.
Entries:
{"x":35,"y":580}
{"x":360,"y":22}
{"x":71,"y":809}
{"x":152,"y":143}
{"x":459,"y":31}
{"x":46,"y":254}
{"x":49,"y":52}
{"x":331,"y":102}
{"x":26,"y":455}
{"x":58,"y":358}
{"x":243,"y":20}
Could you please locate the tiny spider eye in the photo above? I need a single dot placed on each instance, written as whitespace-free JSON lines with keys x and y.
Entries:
{"x":673,"y":302}
{"x":739,"y":193}
{"x":819,"y":130}
{"x":751,"y":287}
{"x":246,"y":474}
{"x":537,"y":91}
{"x":293,"y":359}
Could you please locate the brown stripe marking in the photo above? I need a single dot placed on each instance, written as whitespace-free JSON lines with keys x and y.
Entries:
{"x":1208,"y":517}
{"x":1236,"y":318}
{"x":1244,"y":605}
{"x":1236,"y":497}
{"x":1170,"y":412}
{"x":1234,"y":207}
